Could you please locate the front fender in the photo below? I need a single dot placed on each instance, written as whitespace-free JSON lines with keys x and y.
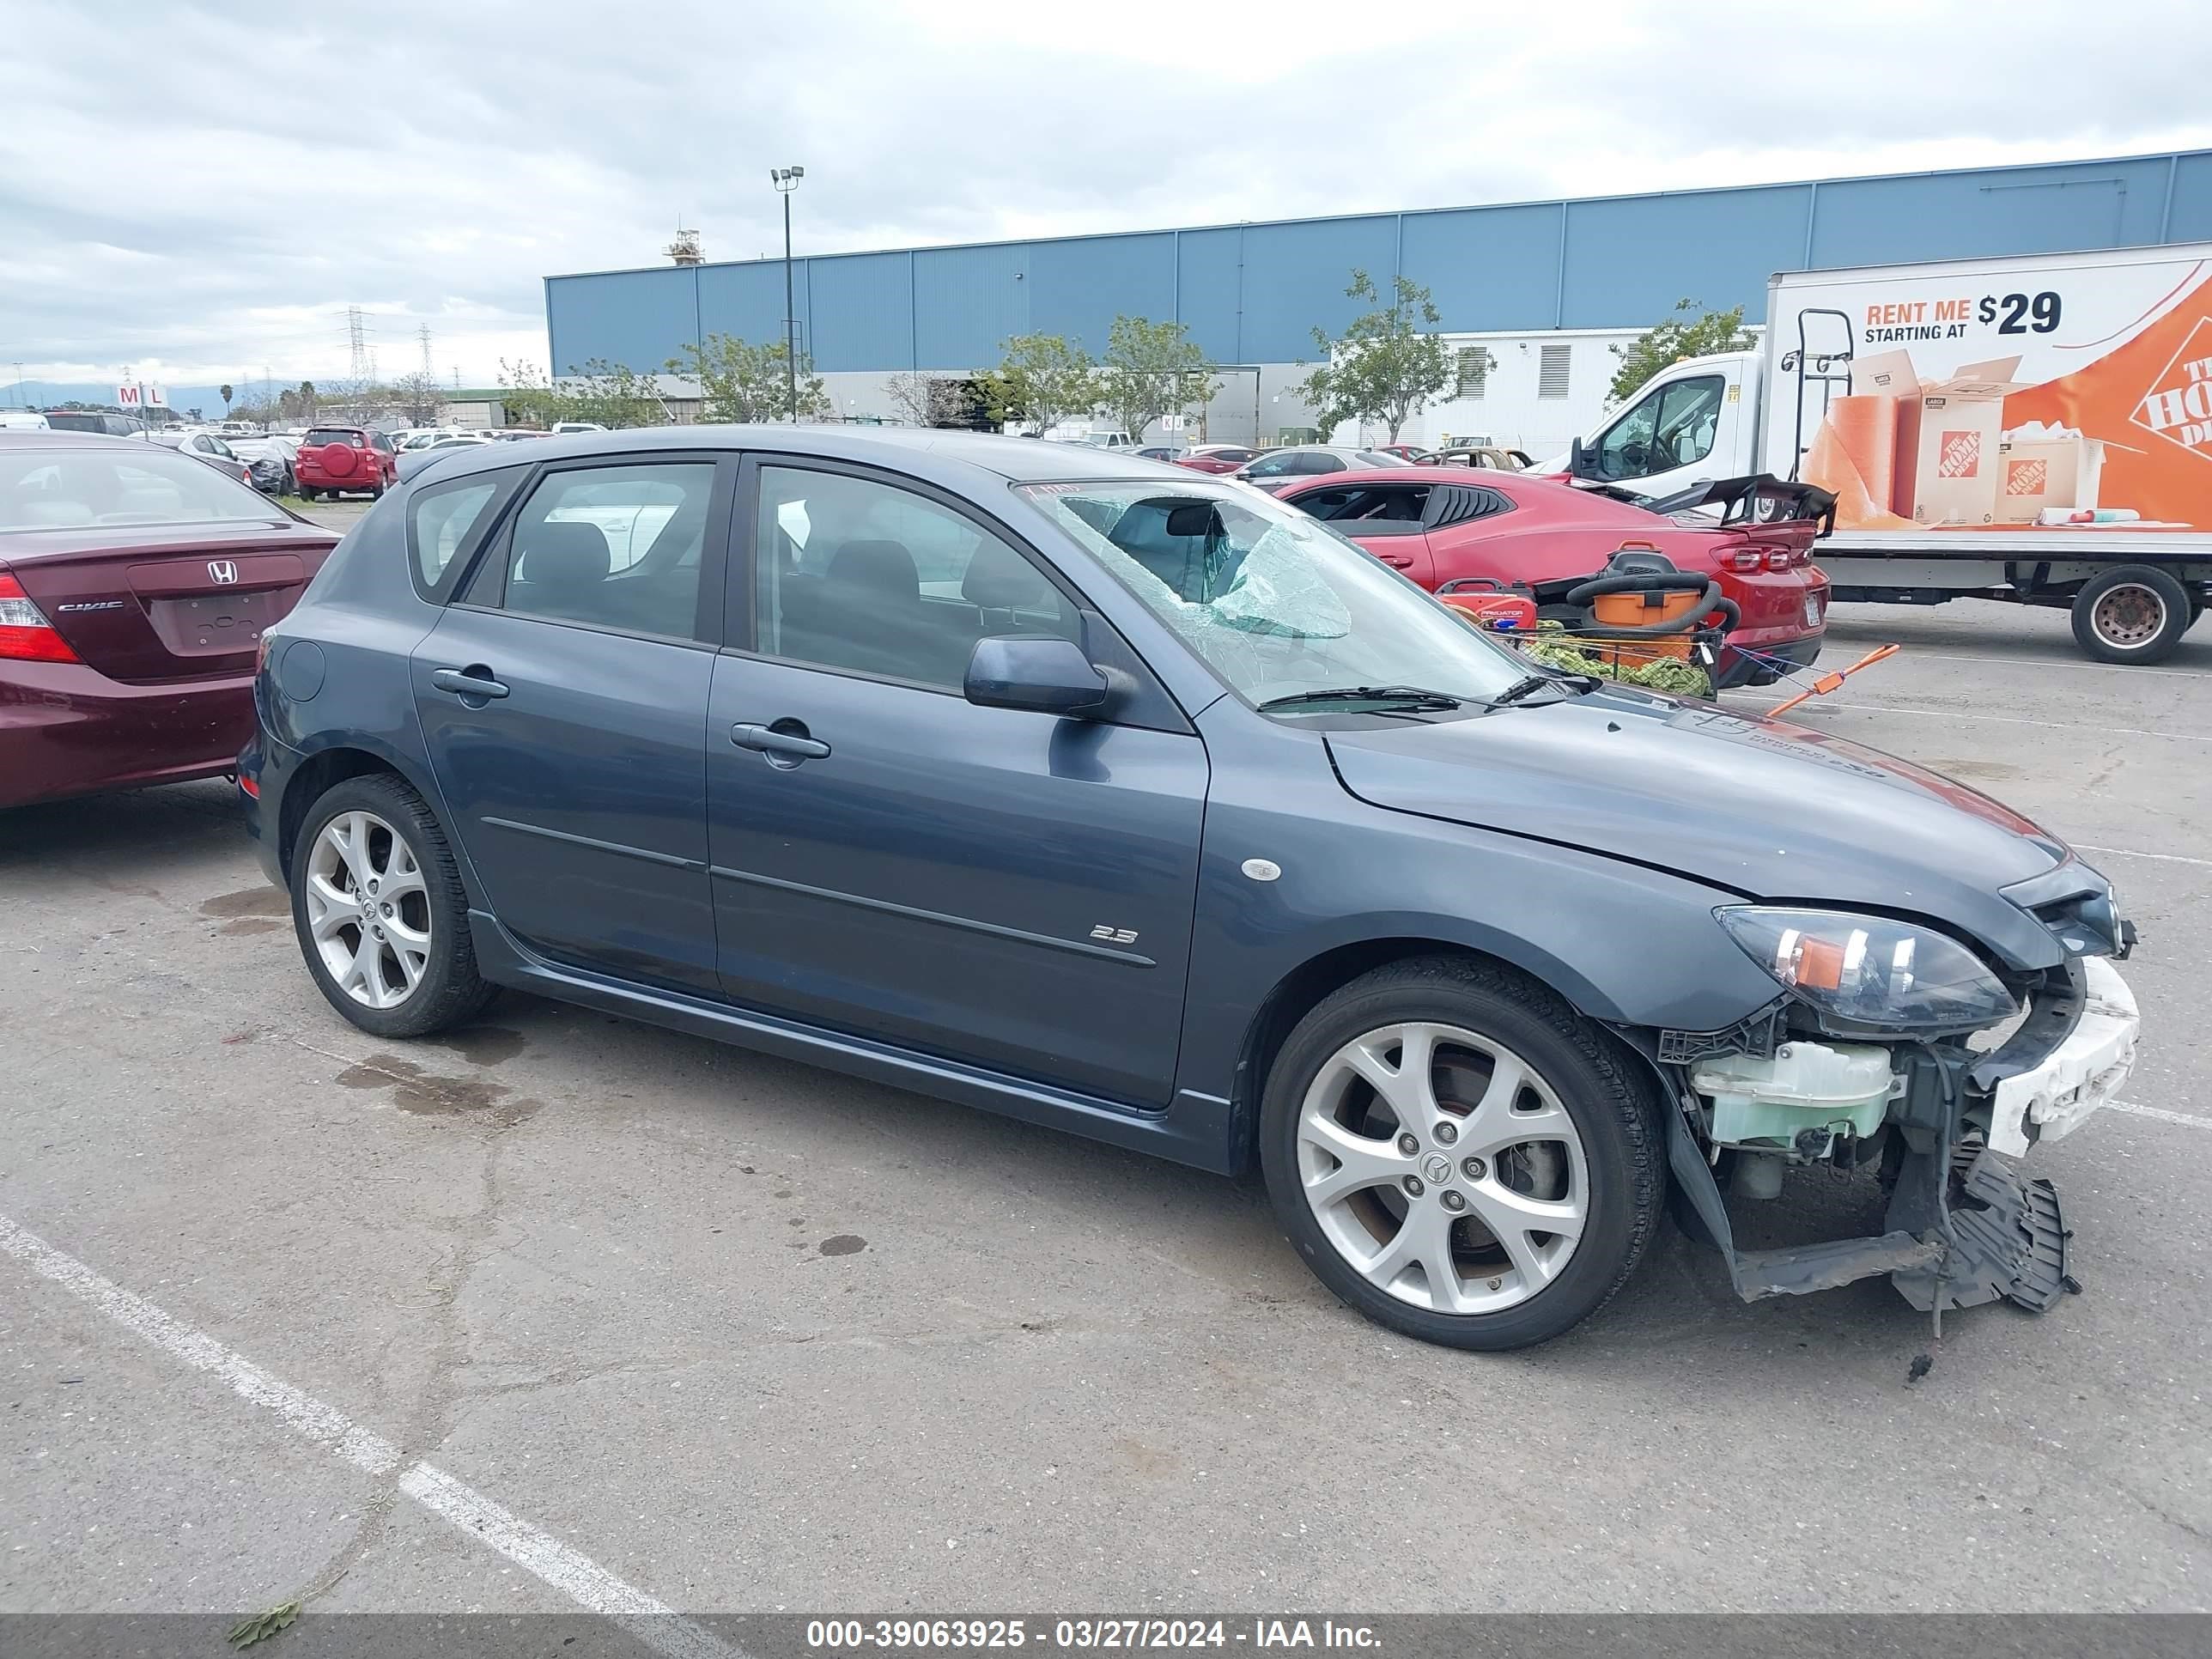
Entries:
{"x":1624,"y":944}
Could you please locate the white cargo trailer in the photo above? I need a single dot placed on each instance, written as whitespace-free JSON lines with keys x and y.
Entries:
{"x":2035,"y":429}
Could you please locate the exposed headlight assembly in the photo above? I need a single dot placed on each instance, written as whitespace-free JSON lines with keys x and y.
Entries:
{"x":1869,"y":970}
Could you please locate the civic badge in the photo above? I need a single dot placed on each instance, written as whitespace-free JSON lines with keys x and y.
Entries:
{"x":222,"y":572}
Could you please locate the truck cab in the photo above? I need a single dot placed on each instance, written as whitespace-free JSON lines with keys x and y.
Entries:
{"x":1694,"y":422}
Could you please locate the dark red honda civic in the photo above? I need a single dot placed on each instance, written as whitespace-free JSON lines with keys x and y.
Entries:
{"x":135,"y":584}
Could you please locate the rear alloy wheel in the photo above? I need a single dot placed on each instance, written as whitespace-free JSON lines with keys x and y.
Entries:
{"x":2136,"y":614}
{"x":1459,"y":1156}
{"x":380,"y":914}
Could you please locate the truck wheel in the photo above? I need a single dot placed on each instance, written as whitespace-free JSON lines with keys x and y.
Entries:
{"x":1459,"y":1156}
{"x":2135,"y":614}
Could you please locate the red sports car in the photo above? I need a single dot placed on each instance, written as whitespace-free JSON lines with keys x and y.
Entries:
{"x":135,"y":584}
{"x":1441,"y":524}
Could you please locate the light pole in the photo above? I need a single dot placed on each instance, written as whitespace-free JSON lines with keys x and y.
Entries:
{"x":785,"y":179}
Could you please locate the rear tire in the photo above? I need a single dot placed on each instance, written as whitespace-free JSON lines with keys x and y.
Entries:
{"x":2135,"y":614}
{"x":380,"y":912}
{"x":1522,"y":1112}
{"x":308,"y":495}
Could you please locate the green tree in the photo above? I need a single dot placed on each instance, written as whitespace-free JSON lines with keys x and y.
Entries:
{"x":745,"y":383}
{"x":1152,"y":369}
{"x":1381,"y":367}
{"x":224,"y":391}
{"x":616,"y":395}
{"x":1043,"y":380}
{"x":531,"y":399}
{"x":1680,"y":336}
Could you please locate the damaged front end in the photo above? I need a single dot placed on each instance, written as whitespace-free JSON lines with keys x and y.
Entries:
{"x":1893,"y":1046}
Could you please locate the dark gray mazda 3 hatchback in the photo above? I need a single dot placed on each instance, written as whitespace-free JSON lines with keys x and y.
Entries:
{"x":1108,"y":796}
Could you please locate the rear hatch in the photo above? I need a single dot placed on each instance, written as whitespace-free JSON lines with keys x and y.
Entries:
{"x":187,"y":604}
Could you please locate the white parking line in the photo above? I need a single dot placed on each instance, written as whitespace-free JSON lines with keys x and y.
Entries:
{"x":2128,"y":852}
{"x":2015,"y":720}
{"x":2186,"y":1119}
{"x":536,"y":1552}
{"x":2040,"y":662}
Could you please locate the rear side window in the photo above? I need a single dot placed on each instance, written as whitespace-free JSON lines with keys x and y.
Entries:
{"x":617,"y":547}
{"x":1399,"y":504}
{"x":441,"y":522}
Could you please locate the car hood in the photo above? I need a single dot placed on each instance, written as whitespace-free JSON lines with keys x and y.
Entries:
{"x":1771,"y":810}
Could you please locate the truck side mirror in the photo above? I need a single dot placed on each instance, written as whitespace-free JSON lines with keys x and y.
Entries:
{"x":1583,"y":463}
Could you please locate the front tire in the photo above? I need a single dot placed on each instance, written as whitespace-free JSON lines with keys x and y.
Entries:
{"x":2135,"y":614}
{"x":1459,"y":1156}
{"x":380,"y":914}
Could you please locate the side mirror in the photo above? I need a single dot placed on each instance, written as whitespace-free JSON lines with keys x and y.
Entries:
{"x":1580,"y":463}
{"x":1049,"y":675}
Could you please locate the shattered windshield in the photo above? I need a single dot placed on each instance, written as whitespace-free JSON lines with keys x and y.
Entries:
{"x":1275,"y":602}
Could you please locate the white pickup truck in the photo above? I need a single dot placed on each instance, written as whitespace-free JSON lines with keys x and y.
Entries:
{"x":2035,"y":429}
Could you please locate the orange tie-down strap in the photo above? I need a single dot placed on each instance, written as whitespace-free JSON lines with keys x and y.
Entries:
{"x":1827,"y":682}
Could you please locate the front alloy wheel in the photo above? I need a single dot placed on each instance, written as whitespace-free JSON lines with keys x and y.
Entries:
{"x":368,"y":909}
{"x":1441,"y":1166}
{"x":1459,"y":1155}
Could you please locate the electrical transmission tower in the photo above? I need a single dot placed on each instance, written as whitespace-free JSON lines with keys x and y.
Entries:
{"x":429,"y":369}
{"x":362,"y":364}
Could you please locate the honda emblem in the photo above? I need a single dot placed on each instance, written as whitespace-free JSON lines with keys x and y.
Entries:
{"x":222,"y":572}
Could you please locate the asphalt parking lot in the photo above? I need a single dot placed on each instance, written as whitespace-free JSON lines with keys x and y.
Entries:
{"x":738,"y":1335}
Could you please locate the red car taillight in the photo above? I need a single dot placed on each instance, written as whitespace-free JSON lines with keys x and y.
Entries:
{"x":26,"y":635}
{"x":1745,"y":559}
{"x":1778,"y":559}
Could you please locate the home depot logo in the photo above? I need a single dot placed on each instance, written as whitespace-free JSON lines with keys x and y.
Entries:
{"x":1959,"y":455}
{"x":2027,"y":477}
{"x":2178,"y":405}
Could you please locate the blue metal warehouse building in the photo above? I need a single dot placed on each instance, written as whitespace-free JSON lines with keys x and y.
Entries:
{"x":1252,"y":294}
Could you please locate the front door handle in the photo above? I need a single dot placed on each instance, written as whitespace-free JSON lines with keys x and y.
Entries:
{"x":768,"y":740}
{"x":474,"y":681}
{"x":1397,"y":561}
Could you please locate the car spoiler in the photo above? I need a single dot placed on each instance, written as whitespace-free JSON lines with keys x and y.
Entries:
{"x":1755,"y":499}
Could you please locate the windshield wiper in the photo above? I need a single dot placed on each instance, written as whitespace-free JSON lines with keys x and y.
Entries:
{"x":1401,"y":696}
{"x":1529,"y":684}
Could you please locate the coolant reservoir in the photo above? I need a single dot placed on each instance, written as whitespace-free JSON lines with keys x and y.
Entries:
{"x":1764,"y":1104}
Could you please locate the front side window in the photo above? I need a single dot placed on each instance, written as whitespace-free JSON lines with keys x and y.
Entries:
{"x":1671,"y":427}
{"x":1689,"y":413}
{"x":860,"y":575}
{"x":877,"y":580}
{"x":1278,"y":465}
{"x":1274,"y":601}
{"x":613,"y":546}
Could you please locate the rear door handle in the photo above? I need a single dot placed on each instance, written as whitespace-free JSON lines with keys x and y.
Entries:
{"x":769,"y":741}
{"x":1397,"y":561}
{"x":474,"y":681}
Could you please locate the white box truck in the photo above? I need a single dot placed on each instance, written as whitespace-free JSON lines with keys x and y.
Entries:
{"x":2035,"y":429}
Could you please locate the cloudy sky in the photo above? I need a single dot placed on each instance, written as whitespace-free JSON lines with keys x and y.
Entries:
{"x":202,"y":193}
